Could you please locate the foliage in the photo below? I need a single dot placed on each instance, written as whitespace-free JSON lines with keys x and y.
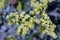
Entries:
{"x":2,"y":3}
{"x":11,"y":37}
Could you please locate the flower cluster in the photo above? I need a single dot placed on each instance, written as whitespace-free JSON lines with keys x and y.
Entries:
{"x":46,"y":26}
{"x":26,"y":21}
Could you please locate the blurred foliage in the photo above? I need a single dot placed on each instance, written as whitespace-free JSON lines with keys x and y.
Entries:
{"x":26,"y":21}
{"x":19,"y":7}
{"x":2,"y":3}
{"x":11,"y":37}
